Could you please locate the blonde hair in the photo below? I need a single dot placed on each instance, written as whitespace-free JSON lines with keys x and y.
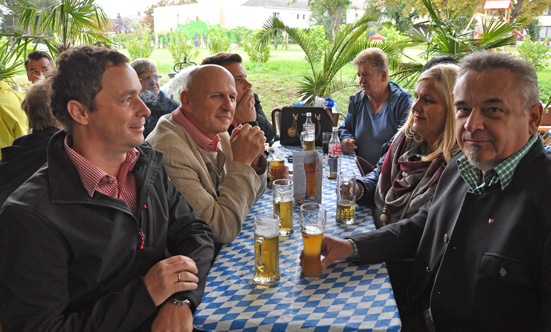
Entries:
{"x":444,"y":77}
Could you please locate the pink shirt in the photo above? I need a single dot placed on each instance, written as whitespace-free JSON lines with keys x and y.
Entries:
{"x":95,"y":179}
{"x":199,"y":138}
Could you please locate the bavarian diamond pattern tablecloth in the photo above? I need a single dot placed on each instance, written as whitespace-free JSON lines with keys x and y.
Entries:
{"x":349,"y":298}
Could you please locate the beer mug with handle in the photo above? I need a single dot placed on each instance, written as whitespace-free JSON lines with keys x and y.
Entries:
{"x":312,"y":224}
{"x":283,"y":205}
{"x":266,"y":249}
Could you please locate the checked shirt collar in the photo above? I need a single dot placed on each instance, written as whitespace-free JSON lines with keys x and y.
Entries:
{"x":95,"y":179}
{"x":502,"y":173}
{"x":201,"y":139}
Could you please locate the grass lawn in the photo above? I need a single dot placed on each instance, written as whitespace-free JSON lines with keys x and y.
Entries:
{"x":276,"y":81}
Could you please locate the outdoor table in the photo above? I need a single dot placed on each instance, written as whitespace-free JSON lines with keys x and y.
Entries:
{"x":348,"y":298}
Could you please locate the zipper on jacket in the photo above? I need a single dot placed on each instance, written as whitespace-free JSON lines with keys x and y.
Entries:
{"x":142,"y":235}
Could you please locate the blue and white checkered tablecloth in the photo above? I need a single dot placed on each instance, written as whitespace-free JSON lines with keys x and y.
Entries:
{"x":349,"y":298}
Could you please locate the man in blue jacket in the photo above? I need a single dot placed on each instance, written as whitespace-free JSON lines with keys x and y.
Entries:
{"x":83,"y":241}
{"x":375,"y":113}
{"x":482,"y":246}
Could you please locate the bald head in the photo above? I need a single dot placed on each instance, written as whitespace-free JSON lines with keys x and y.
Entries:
{"x":209,"y":98}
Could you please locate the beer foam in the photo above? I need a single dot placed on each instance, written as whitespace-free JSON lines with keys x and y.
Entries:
{"x":312,"y":230}
{"x":267,"y":232}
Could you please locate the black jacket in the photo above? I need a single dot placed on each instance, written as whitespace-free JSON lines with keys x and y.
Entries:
{"x":483,"y":261}
{"x":20,"y":160}
{"x":73,"y":262}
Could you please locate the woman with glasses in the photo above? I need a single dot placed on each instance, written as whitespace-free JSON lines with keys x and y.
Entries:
{"x":155,"y":99}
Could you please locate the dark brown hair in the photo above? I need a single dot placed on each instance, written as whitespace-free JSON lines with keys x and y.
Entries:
{"x":222,"y":59}
{"x":79,"y":77}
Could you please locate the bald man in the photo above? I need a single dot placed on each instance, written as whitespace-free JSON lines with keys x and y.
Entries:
{"x":203,"y":161}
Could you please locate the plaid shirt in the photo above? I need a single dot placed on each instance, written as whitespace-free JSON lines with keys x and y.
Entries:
{"x":95,"y":179}
{"x":502,"y":173}
{"x":200,"y":138}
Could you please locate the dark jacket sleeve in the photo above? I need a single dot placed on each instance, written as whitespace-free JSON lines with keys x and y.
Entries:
{"x":262,"y":120}
{"x":189,"y":235}
{"x":369,"y":181}
{"x":394,"y":241}
{"x":33,"y":257}
{"x":348,"y":126}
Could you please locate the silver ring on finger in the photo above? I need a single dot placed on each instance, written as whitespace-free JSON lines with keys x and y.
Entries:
{"x":179,"y":279}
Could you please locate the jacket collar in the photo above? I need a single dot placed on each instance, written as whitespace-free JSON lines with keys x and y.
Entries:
{"x":66,"y":187}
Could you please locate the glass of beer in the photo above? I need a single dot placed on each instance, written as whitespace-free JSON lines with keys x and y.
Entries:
{"x":283,"y":205}
{"x":266,"y":249}
{"x":308,"y":141}
{"x":277,"y":167}
{"x":346,"y":199}
{"x":312,"y":224}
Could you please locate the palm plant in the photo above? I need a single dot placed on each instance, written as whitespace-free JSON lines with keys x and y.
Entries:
{"x":445,"y":36}
{"x":8,"y":67}
{"x":64,"y":24}
{"x":349,"y":40}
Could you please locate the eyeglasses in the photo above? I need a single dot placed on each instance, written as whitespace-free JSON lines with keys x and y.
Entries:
{"x":149,"y":78}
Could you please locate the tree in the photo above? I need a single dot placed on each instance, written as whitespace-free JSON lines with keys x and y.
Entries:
{"x":349,"y":40}
{"x":397,"y":15}
{"x":445,"y":35}
{"x":148,"y":20}
{"x":329,"y":13}
{"x":122,"y":24}
{"x":10,"y":17}
{"x":467,"y":8}
{"x":61,"y":25}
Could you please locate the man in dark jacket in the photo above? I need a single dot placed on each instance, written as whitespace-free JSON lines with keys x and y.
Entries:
{"x":83,"y":241}
{"x":482,"y":246}
{"x":248,"y":108}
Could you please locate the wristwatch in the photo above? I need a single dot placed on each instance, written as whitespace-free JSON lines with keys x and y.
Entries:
{"x":180,"y":301}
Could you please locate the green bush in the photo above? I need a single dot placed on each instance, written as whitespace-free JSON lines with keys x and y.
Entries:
{"x":218,"y":40}
{"x":535,"y":53}
{"x":181,"y":49}
{"x":139,"y":46}
{"x":253,"y":47}
{"x":316,"y":37}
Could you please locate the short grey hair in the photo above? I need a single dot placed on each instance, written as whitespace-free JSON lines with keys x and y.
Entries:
{"x":373,"y":56}
{"x":183,"y":81}
{"x":143,"y":65}
{"x":527,"y":80}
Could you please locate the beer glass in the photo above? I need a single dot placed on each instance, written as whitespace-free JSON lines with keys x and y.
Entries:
{"x":308,"y":141}
{"x":277,"y":167}
{"x":266,"y":249}
{"x":283,"y":205}
{"x":346,"y":199}
{"x":312,"y":224}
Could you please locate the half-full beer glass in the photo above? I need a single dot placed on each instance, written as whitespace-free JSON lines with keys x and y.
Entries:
{"x":277,"y":166}
{"x":346,"y":199}
{"x":312,"y":224}
{"x":266,"y":249}
{"x":283,"y":205}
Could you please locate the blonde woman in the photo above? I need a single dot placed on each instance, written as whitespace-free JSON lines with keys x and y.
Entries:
{"x":419,"y":152}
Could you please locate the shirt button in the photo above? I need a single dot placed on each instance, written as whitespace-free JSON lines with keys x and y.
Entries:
{"x":502,"y":272}
{"x":427,"y":269}
{"x":446,"y":238}
{"x":110,"y":181}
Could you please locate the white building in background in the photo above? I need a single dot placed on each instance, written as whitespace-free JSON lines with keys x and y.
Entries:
{"x":232,"y":14}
